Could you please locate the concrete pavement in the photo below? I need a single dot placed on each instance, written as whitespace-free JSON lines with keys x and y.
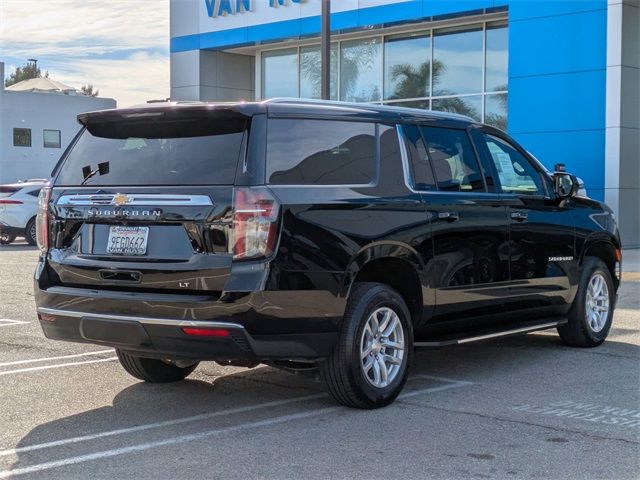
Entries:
{"x":523,"y":407}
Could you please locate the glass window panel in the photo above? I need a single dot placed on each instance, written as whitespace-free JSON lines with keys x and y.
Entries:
{"x":422,"y":104}
{"x":320,"y":152}
{"x":21,"y":137}
{"x":310,"y":68}
{"x":469,"y":106}
{"x":51,"y":138}
{"x":185,"y":152}
{"x":407,"y":67}
{"x":361,"y":70}
{"x":280,"y":73}
{"x":497,"y":59}
{"x":422,"y":174}
{"x":515,"y":172}
{"x":495,"y":110}
{"x":454,"y":162}
{"x":457,"y":64}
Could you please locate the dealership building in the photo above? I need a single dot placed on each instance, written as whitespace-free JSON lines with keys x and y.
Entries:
{"x":38,"y":120}
{"x":561,"y":76}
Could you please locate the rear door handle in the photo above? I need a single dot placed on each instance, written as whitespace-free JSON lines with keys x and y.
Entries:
{"x":519,"y":216}
{"x":449,"y":216}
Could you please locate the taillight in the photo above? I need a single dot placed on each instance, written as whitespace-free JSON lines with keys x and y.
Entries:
{"x":42,"y":219}
{"x":10,"y":202}
{"x":255,"y":222}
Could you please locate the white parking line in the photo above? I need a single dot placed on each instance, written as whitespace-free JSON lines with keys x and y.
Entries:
{"x":161,"y":443}
{"x":191,"y":437}
{"x":60,"y":365}
{"x":8,"y":322}
{"x":62,"y":357}
{"x":165,"y":423}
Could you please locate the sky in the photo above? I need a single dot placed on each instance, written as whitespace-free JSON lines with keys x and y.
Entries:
{"x":119,"y":46}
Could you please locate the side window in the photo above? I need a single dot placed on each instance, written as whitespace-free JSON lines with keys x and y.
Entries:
{"x":21,"y":137}
{"x":515,"y":172}
{"x":453,"y":159}
{"x":51,"y":138}
{"x":320,"y":152}
{"x":421,"y":172}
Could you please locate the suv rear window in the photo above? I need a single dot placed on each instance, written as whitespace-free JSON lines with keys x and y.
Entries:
{"x":320,"y":152}
{"x":199,"y":151}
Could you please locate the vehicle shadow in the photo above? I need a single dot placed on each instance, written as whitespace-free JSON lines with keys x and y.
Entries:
{"x":141,"y":404}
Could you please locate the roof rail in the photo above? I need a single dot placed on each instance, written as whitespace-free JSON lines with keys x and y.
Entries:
{"x":370,"y":106}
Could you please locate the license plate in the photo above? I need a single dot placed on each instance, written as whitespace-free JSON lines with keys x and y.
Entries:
{"x":127,"y":240}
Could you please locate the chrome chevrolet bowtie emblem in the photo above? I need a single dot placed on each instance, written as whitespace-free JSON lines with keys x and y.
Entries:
{"x":120,"y":199}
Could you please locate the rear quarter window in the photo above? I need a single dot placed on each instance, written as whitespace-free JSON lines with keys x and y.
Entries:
{"x":320,"y":152}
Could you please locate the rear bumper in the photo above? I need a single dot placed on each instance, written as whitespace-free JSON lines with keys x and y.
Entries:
{"x":261,"y":325}
{"x":162,"y":338}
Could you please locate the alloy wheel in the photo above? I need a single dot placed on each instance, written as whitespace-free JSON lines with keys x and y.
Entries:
{"x":597,"y":303}
{"x":382,"y":347}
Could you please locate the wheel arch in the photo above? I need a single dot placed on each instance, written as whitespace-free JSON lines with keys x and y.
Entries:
{"x":394,"y":264}
{"x":605,"y":248}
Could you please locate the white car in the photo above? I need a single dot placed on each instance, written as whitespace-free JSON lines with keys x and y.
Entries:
{"x":18,"y":208}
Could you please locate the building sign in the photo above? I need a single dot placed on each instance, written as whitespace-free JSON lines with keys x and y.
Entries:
{"x":218,"y":8}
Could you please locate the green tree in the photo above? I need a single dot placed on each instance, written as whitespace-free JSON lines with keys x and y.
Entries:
{"x":498,"y":119}
{"x":25,"y":72}
{"x":413,"y":82}
{"x":89,"y":91}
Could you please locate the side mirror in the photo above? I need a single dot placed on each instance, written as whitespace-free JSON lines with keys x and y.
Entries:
{"x":565,"y":185}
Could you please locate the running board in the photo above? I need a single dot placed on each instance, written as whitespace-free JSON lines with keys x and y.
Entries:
{"x":487,"y":334}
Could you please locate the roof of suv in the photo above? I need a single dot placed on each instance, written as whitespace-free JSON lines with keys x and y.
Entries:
{"x":276,"y":106}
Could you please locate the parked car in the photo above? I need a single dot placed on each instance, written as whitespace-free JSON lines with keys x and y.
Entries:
{"x":18,"y":209}
{"x":313,"y":235}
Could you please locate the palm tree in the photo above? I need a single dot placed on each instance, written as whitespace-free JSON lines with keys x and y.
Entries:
{"x":498,"y":120}
{"x":413,"y":82}
{"x":354,"y":62}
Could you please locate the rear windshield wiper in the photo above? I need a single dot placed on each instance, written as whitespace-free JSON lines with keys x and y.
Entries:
{"x":87,"y":173}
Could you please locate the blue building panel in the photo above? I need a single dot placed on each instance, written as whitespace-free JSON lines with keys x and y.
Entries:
{"x":582,"y":152}
{"x":564,"y":43}
{"x":562,"y":102}
{"x":526,"y":9}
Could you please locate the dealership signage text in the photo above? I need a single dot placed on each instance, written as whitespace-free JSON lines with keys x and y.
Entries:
{"x":218,"y":8}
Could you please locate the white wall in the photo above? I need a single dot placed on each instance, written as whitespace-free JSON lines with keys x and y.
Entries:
{"x":39,"y":111}
{"x":622,"y":141}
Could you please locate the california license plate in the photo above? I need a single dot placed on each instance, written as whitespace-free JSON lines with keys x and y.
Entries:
{"x":127,"y":240}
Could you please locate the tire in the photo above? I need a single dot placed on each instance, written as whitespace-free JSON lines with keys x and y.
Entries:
{"x":344,"y":372}
{"x":581,"y":331}
{"x":153,"y":370}
{"x":6,"y":239}
{"x":30,"y":232}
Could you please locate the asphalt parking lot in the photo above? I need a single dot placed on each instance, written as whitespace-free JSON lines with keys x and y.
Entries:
{"x":523,"y":407}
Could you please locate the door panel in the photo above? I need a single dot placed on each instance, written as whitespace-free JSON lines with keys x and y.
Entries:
{"x":541,"y":252}
{"x":470,"y":266}
{"x":541,"y":229}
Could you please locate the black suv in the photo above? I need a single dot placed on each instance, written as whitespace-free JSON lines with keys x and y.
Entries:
{"x":313,"y":235}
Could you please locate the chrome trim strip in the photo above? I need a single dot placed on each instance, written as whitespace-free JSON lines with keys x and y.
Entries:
{"x":143,"y":320}
{"x":134,"y":199}
{"x":515,"y":331}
